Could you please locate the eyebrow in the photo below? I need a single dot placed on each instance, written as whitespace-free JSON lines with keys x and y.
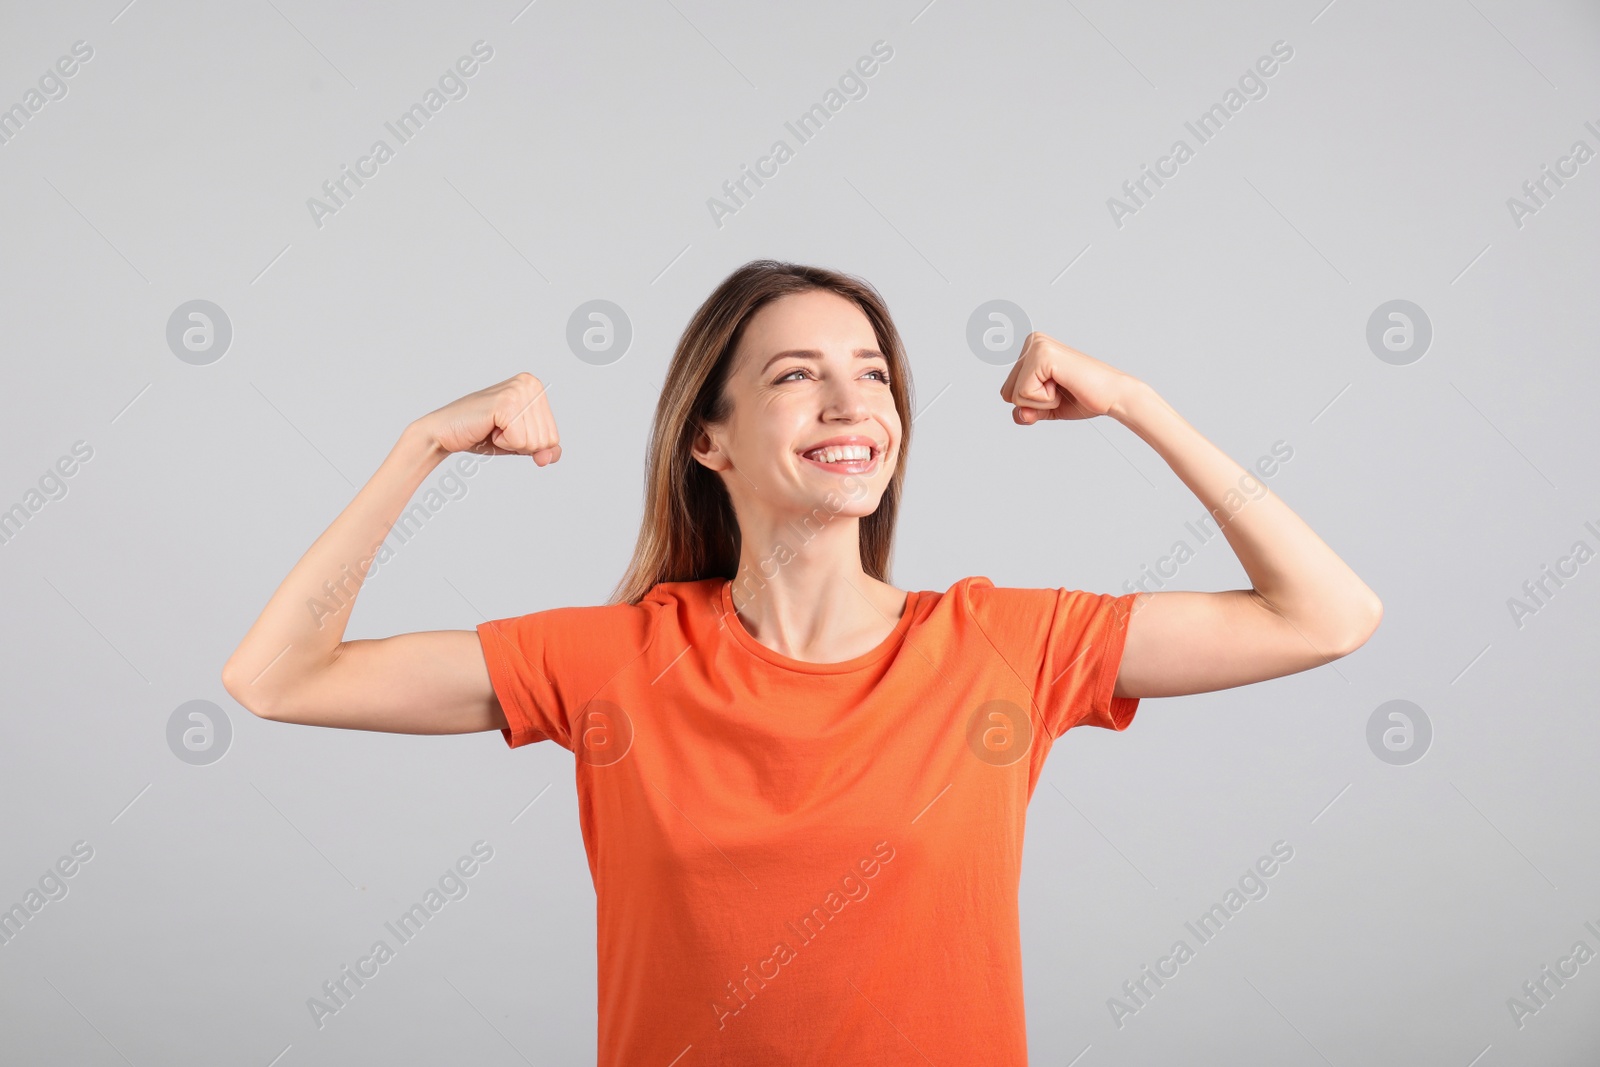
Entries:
{"x":811,"y":353}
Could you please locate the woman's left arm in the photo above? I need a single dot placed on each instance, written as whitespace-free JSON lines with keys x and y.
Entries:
{"x":1306,"y":607}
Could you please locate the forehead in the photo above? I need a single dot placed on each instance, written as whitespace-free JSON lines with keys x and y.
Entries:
{"x":817,"y":318}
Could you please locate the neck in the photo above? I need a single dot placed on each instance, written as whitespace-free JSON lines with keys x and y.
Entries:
{"x":801,"y":590}
{"x":784,"y":559}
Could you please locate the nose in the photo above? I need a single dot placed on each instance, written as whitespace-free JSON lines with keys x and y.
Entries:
{"x":844,"y":401}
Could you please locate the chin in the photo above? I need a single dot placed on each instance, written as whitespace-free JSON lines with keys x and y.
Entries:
{"x":843,"y":506}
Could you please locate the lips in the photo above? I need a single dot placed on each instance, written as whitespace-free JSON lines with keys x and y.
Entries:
{"x":847,"y":454}
{"x":845,"y":441}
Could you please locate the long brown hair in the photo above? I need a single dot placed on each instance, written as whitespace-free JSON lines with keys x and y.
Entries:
{"x":689,"y":530}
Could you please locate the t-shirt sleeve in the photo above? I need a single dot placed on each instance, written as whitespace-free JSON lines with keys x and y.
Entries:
{"x":546,"y":666}
{"x":1066,"y":644}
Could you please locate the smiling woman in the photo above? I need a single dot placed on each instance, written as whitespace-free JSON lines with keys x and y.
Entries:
{"x":756,"y":701}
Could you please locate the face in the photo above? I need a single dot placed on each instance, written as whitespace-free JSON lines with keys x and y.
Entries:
{"x":807,"y":373}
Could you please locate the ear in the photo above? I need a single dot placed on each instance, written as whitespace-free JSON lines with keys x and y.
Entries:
{"x":708,"y":451}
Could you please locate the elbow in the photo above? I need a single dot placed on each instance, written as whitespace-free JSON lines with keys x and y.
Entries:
{"x":240,"y":689}
{"x":1360,"y":631}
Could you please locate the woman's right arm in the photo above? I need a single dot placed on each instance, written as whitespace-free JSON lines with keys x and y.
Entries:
{"x":294,"y":664}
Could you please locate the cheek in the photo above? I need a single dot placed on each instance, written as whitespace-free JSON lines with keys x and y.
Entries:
{"x":777,"y":422}
{"x":890,"y":420}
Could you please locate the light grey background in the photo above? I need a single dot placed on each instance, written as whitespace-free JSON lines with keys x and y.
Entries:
{"x":1377,"y":167}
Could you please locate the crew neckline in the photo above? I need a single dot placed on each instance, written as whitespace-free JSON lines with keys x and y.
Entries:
{"x":756,"y":648}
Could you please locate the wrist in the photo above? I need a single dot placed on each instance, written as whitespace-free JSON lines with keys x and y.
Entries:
{"x":419,"y":447}
{"x":1134,"y":400}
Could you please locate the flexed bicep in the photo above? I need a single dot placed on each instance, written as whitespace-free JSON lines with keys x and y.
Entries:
{"x":1181,"y":642}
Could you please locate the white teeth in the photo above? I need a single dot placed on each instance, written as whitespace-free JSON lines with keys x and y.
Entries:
{"x":838,"y":453}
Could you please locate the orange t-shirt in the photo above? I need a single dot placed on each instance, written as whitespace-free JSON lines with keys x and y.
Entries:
{"x":809,"y":862}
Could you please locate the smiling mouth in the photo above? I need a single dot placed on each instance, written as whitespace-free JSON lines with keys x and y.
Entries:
{"x":843,"y":459}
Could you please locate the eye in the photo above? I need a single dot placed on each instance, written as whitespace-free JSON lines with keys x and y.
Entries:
{"x":883,"y":375}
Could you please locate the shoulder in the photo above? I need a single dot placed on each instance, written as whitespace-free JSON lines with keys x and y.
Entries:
{"x":1022,"y":617}
{"x":617,"y":622}
{"x":977,"y":595}
{"x":974,"y":609}
{"x":587,"y":644}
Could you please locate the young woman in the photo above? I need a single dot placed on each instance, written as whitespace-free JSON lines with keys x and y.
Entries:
{"x":802,"y":789}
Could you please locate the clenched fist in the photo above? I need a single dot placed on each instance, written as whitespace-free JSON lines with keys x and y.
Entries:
{"x":509,"y":419}
{"x":1051,"y":381}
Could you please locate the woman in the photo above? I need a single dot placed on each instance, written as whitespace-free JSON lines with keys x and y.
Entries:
{"x":802,"y":790}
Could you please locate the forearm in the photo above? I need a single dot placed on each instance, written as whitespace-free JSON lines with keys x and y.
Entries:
{"x":1291,"y":569}
{"x":302,"y":627}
